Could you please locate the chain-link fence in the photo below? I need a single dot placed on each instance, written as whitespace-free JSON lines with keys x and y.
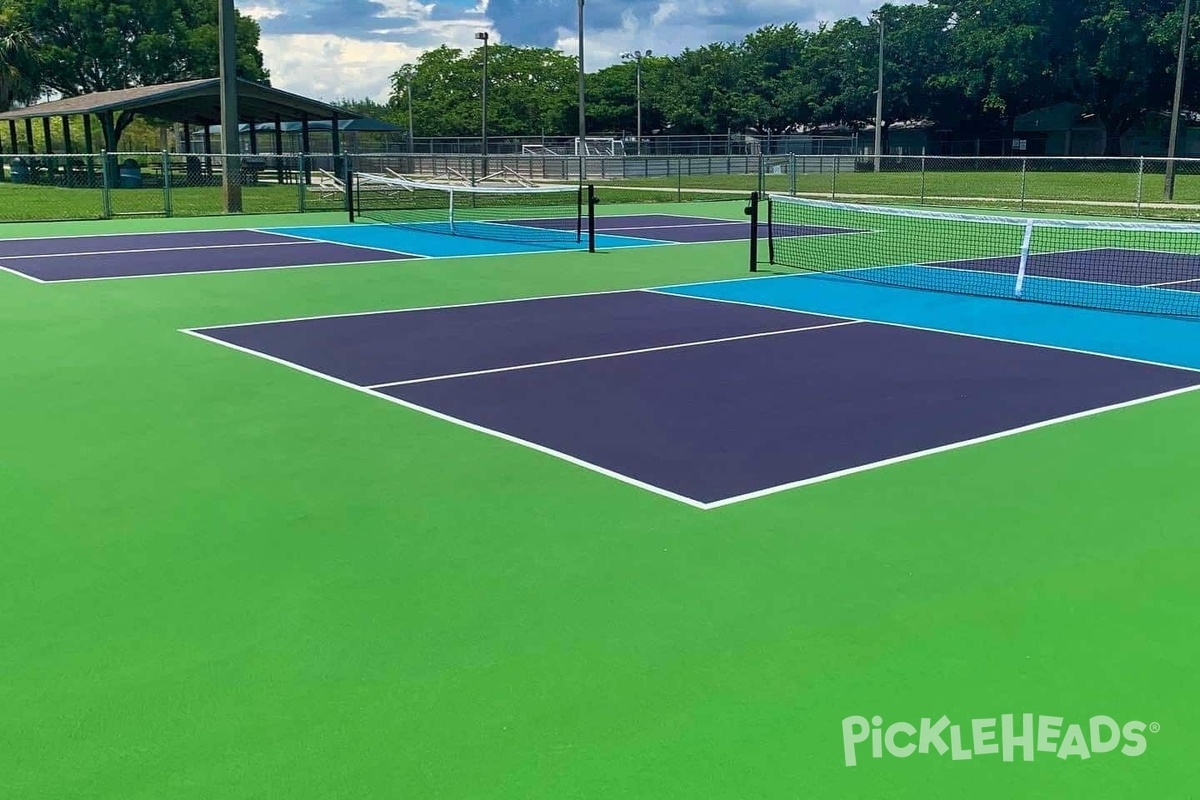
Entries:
{"x":64,"y":187}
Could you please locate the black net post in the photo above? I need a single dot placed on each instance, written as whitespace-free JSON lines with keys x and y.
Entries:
{"x":591,"y":217}
{"x":770,"y":232}
{"x":752,"y":212}
{"x":348,"y":183}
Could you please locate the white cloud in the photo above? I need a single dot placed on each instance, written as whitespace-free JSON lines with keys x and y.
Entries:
{"x":332,"y":49}
{"x":261,"y":12}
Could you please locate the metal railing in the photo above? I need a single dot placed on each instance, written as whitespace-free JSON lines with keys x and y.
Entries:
{"x":105,"y":185}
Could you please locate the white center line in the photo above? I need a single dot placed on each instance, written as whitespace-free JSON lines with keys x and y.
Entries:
{"x":612,"y":355}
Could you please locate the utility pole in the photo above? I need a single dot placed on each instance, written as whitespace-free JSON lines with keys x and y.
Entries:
{"x":1169,"y":184}
{"x":636,"y":56}
{"x":231,"y":137}
{"x":582,"y":112}
{"x":483,"y":36}
{"x":879,"y":100}
{"x":411,"y":140}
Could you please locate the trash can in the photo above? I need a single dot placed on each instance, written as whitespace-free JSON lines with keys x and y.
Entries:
{"x":131,"y":175}
{"x":19,"y":171}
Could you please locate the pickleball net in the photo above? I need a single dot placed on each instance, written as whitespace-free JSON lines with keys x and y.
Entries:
{"x":1144,"y":267}
{"x":558,"y":215}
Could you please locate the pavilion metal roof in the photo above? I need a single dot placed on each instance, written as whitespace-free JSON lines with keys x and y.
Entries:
{"x":197,"y":102}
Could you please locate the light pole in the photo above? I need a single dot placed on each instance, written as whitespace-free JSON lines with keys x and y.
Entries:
{"x":1169,"y":185}
{"x":231,"y":137}
{"x":879,"y":99}
{"x":636,"y":56}
{"x":411,"y":139}
{"x":582,"y":113}
{"x":483,"y":37}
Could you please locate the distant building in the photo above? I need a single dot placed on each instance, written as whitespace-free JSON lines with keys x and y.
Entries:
{"x":1065,"y":130}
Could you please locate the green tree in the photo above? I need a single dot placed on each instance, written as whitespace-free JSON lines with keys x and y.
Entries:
{"x":840,"y":73}
{"x":19,"y":62}
{"x":97,"y":45}
{"x":772,"y":78}
{"x":530,"y":90}
{"x":612,"y":96}
{"x":702,"y":91}
{"x":369,"y":108}
{"x":1116,"y":58}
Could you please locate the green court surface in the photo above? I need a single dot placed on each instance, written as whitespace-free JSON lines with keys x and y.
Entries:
{"x":222,"y":578}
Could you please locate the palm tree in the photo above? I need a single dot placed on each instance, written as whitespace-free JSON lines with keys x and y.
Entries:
{"x":18,"y":61}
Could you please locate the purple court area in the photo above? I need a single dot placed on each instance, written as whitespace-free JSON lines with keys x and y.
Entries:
{"x":134,"y":255}
{"x":1102,"y":265}
{"x":703,"y":401}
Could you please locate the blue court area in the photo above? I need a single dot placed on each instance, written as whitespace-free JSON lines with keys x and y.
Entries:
{"x":665,"y":389}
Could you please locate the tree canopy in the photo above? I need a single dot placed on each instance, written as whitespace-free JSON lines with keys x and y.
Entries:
{"x":19,"y":60}
{"x":971,"y":64}
{"x":95,"y":45}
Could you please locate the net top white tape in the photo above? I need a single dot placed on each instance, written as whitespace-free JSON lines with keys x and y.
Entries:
{"x":456,"y":188}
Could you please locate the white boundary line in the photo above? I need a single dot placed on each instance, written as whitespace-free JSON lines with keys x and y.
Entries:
{"x":137,"y":233}
{"x":447,"y":418}
{"x":20,"y":274}
{"x":1168,"y":283}
{"x":505,"y":301}
{"x":620,"y":354}
{"x":985,"y":337}
{"x":946,"y":448}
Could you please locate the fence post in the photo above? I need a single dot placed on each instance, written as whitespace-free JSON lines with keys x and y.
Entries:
{"x":1141,"y":176}
{"x":1024,"y":170}
{"x":792,"y":174}
{"x":679,"y":183}
{"x":922,"y":176}
{"x":300,"y":183}
{"x":833,"y":183}
{"x":105,"y":186}
{"x":166,"y":173}
{"x":762,"y":179}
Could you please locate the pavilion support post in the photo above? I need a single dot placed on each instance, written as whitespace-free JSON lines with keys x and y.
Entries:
{"x":109,"y":129}
{"x":253,"y":137}
{"x":106,"y":178}
{"x":305,"y":147}
{"x":49,"y":143}
{"x":339,"y":163}
{"x":187,"y":137}
{"x":29,"y":136}
{"x":66,"y":132}
{"x":87,"y":147}
{"x":279,"y":149}
{"x":207,"y":150}
{"x":12,"y":137}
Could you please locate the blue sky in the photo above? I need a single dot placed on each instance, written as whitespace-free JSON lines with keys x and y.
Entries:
{"x":346,"y":48}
